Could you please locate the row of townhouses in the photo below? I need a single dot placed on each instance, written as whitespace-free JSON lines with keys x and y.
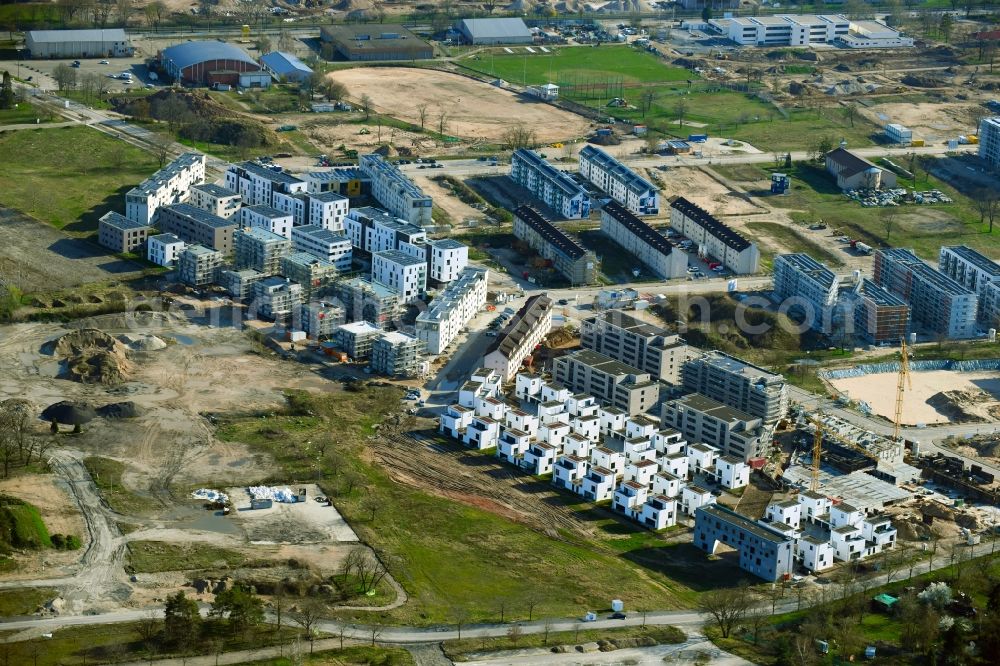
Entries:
{"x":644,"y":242}
{"x":622,"y":184}
{"x":576,"y":263}
{"x":713,"y":238}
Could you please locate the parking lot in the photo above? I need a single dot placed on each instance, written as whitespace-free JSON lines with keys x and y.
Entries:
{"x":41,"y":71}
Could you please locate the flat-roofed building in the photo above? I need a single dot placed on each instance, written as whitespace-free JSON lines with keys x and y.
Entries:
{"x":804,"y":286}
{"x":625,"y":186}
{"x":94,"y":43}
{"x":764,"y":551}
{"x":608,"y":380}
{"x":649,"y":348}
{"x":197,"y":226}
{"x":938,"y":303}
{"x":976,"y":272}
{"x":320,"y":319}
{"x":215,"y":199}
{"x":365,"y":300}
{"x":486,"y":31}
{"x":644,"y":242}
{"x":311,"y":272}
{"x":401,"y":271}
{"x":198,"y":265}
{"x":452,"y":309}
{"x":397,"y":354}
{"x":738,"y":384}
{"x":257,"y":183}
{"x":879,"y":316}
{"x":989,"y":141}
{"x":267,"y":218}
{"x":356,"y":339}
{"x":170,"y":185}
{"x":120,"y":234}
{"x":164,"y":249}
{"x":374,"y":41}
{"x":555,"y":189}
{"x":239,"y":283}
{"x":397,"y":193}
{"x":260,"y":250}
{"x":873,"y":35}
{"x":328,"y":210}
{"x":374,"y":230}
{"x":731,"y":431}
{"x":576,"y":263}
{"x":527,"y":328}
{"x":275,"y":298}
{"x":713,"y":238}
{"x":783,"y":29}
{"x":324,"y":244}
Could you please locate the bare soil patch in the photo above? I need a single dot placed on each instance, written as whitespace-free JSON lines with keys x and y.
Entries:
{"x":475,"y":110}
{"x":933,"y":122}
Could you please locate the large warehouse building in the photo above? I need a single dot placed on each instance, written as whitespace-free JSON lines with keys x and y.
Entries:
{"x":110,"y":43}
{"x":494,"y":31}
{"x":371,"y":41}
{"x":208,"y":63}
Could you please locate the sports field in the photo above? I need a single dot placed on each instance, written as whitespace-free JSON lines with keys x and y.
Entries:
{"x":575,"y":63}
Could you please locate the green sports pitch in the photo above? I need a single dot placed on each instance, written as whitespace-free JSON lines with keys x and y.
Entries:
{"x":569,"y":65}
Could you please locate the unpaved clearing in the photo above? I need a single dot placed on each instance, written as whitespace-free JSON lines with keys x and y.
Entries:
{"x":879,"y":391}
{"x":61,"y":516}
{"x":475,"y":110}
{"x":932,"y":121}
{"x":702,"y":189}
{"x":458,"y":210}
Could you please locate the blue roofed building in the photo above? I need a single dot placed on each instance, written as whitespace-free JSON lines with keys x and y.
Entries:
{"x":285,"y":67}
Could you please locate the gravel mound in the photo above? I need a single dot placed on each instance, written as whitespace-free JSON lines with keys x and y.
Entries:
{"x":119,"y":410}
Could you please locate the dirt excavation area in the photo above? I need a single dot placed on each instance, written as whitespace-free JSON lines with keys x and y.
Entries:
{"x":474,"y":110}
{"x":141,"y":387}
{"x":936,"y":396}
{"x":933,"y":122}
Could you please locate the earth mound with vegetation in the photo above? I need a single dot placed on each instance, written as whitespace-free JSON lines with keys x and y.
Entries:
{"x":94,"y":357}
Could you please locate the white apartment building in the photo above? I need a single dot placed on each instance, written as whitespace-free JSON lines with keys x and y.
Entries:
{"x":257,"y":183}
{"x":267,"y":218}
{"x":373,"y":230}
{"x":989,"y":141}
{"x":729,"y":430}
{"x":713,"y":238}
{"x":805,"y":286}
{"x":296,"y":205}
{"x":783,"y":29}
{"x":215,"y":199}
{"x":448,"y":258}
{"x":324,"y":244}
{"x":328,"y":210}
{"x":170,"y":185}
{"x":977,"y":273}
{"x":452,"y":309}
{"x":406,"y":274}
{"x":556,"y":189}
{"x":518,"y":338}
{"x":620,"y":183}
{"x":644,"y":242}
{"x":164,"y":249}
{"x":395,"y":191}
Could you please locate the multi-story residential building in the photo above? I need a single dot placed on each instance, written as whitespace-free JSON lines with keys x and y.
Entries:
{"x":713,"y":238}
{"x":644,"y":242}
{"x":348,"y":181}
{"x":257,"y":183}
{"x":576,"y":263}
{"x":854,"y":172}
{"x":527,"y":328}
{"x":402,"y":272}
{"x":608,"y":380}
{"x":649,"y":348}
{"x":198,"y":265}
{"x":276,"y":298}
{"x":170,"y":185}
{"x":260,"y":250}
{"x":622,"y":184}
{"x":312,"y":273}
{"x":550,"y":185}
{"x":356,"y":339}
{"x":975,"y":272}
{"x":267,"y":218}
{"x":701,"y":419}
{"x":784,"y":29}
{"x":806,"y":287}
{"x":197,"y":226}
{"x":739,"y":384}
{"x":446,"y":259}
{"x":452,"y":309}
{"x":328,"y":210}
{"x":369,"y":301}
{"x":120,"y":234}
{"x":397,"y":355}
{"x":395,"y":191}
{"x":764,"y":551}
{"x":324,"y":244}
{"x":879,"y":316}
{"x":320,"y":319}
{"x":239,"y":283}
{"x":989,"y":141}
{"x":164,"y":249}
{"x":295,"y":205}
{"x":215,"y":199}
{"x":938,"y":303}
{"x":372,"y":230}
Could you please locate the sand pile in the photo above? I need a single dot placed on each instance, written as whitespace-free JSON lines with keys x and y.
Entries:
{"x":93,"y":357}
{"x":953,"y":404}
{"x":143,"y":342}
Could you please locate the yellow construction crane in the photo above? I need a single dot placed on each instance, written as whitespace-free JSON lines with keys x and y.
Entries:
{"x":901,"y":385}
{"x":817,"y":454}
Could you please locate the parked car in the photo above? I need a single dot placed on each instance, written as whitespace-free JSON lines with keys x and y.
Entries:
{"x":618,"y":616}
{"x":563,"y":301}
{"x":104,"y":62}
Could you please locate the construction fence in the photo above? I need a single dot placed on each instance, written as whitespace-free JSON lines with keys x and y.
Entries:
{"x":984,"y":364}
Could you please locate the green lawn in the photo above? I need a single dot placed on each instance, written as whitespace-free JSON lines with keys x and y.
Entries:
{"x":68,"y":177}
{"x":362,"y":655}
{"x":575,"y":64}
{"x":925,"y":228}
{"x":25,"y":600}
{"x":23,"y":113}
{"x":796,"y":240}
{"x":107,"y":475}
{"x":451,"y":557}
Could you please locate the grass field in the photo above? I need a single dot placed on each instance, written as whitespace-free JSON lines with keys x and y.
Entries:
{"x":795,"y":240}
{"x":362,"y":655}
{"x":452,"y":557}
{"x":458,"y":650}
{"x":107,"y":475}
{"x":575,"y":63}
{"x":157,"y":556}
{"x":89,"y":171}
{"x":24,"y":601}
{"x":25,"y":112}
{"x":925,"y":228}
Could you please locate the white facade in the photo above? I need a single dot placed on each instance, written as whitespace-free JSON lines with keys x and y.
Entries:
{"x":170,"y":185}
{"x":324,"y":244}
{"x":897,"y":133}
{"x":405,"y":274}
{"x":713,"y":238}
{"x":977,"y":273}
{"x":374,"y":230}
{"x":452,"y":309}
{"x":527,"y":328}
{"x":784,"y":30}
{"x":267,"y":218}
{"x":164,"y":249}
{"x":989,"y":141}
{"x":646,"y":244}
{"x":448,"y":258}
{"x":873,"y":35}
{"x":296,"y":205}
{"x":804,"y":285}
{"x":257,"y":183}
{"x":328,"y":210}
{"x":621,"y":183}
{"x":215,"y":199}
{"x":396,"y":192}
{"x":556,"y":189}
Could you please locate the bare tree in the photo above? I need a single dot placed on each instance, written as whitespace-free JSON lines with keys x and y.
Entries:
{"x":514,"y":634}
{"x":887,"y":216}
{"x":376,"y":630}
{"x":365,"y":567}
{"x":502,"y":607}
{"x":546,"y":629}
{"x":125,"y":9}
{"x":366,"y":105}
{"x":680,"y":110}
{"x":307,"y":615}
{"x":518,"y":136}
{"x":442,"y":121}
{"x":422,"y":114}
{"x":987,"y":202}
{"x":161,"y":150}
{"x":757,"y":617}
{"x":850,"y":112}
{"x":531,"y":602}
{"x":460,"y":615}
{"x":147,"y":627}
{"x":647,"y":98}
{"x":726,"y":607}
{"x":65,"y":77}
